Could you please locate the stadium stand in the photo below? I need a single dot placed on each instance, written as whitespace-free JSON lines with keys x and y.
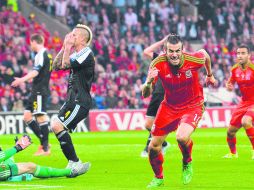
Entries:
{"x":122,"y":30}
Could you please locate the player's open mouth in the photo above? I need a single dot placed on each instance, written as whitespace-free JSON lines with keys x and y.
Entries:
{"x":174,"y":59}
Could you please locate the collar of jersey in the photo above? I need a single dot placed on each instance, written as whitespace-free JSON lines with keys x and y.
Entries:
{"x":182,"y":61}
{"x":42,"y":50}
{"x":82,"y":51}
{"x":248,"y":64}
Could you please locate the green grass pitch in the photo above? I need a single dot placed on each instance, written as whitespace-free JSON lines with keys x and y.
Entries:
{"x":117,"y":165}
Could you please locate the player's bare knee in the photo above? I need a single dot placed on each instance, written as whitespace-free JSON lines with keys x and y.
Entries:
{"x":231,"y":132}
{"x":31,"y":167}
{"x":153,"y":150}
{"x":56,"y":126}
{"x":148,"y":124}
{"x":42,"y":118}
{"x":27,"y":117}
{"x":154,"y":147}
{"x":246,"y":121}
{"x":181,"y":138}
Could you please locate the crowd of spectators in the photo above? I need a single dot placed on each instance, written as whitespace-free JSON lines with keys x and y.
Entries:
{"x":16,"y":59}
{"x":122,"y":29}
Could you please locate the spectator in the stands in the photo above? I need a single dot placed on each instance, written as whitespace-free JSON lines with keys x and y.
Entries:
{"x":111,"y":99}
{"x":118,"y":46}
{"x":5,"y":105}
{"x":18,"y":105}
{"x":55,"y":103}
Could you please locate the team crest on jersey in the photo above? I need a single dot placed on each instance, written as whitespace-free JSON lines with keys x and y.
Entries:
{"x":188,"y":74}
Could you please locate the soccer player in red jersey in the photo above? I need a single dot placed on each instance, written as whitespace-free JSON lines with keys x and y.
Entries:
{"x":242,"y":73}
{"x":182,"y":106}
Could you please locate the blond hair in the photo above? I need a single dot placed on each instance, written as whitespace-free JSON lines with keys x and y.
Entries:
{"x":90,"y":37}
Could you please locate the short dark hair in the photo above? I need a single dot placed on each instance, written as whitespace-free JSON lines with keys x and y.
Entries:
{"x":244,"y":46}
{"x":38,"y":38}
{"x":173,"y":39}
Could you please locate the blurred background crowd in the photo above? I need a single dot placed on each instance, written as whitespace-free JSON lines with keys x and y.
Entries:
{"x":122,"y":30}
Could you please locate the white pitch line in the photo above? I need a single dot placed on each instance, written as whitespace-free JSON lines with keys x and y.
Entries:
{"x":211,"y":145}
{"x":29,"y":186}
{"x":141,"y":145}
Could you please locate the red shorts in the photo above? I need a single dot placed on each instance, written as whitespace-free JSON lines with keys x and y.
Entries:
{"x":168,"y":120}
{"x":244,"y":108}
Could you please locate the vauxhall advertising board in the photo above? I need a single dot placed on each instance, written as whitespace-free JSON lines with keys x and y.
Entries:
{"x":113,"y":120}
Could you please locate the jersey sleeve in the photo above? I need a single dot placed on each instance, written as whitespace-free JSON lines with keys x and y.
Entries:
{"x":38,"y":62}
{"x":232,"y":76}
{"x":196,"y":59}
{"x":81,"y":59}
{"x":156,"y":63}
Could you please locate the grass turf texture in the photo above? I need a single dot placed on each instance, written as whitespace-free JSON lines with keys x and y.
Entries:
{"x":117,"y":165}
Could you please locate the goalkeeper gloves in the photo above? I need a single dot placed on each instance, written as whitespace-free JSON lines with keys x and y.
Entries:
{"x":22,"y":143}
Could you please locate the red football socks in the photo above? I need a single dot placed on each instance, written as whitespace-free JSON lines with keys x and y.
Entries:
{"x":250,"y":134}
{"x":156,"y":163}
{"x":186,"y":150}
{"x":232,"y":144}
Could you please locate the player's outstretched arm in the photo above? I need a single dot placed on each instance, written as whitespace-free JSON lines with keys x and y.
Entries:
{"x":208,"y":66}
{"x":6,"y":154}
{"x":25,"y":78}
{"x":21,"y":144}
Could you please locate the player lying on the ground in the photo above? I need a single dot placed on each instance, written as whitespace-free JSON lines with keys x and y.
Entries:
{"x":8,"y":168}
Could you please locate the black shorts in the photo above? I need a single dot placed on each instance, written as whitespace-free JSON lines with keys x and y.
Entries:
{"x":70,"y":114}
{"x":37,"y":103}
{"x":154,"y":104}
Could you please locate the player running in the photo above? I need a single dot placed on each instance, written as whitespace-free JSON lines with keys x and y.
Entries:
{"x":242,"y":73}
{"x":182,"y":106}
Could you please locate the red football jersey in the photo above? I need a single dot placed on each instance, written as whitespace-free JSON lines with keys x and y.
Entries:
{"x":181,"y":84}
{"x":245,"y":80}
